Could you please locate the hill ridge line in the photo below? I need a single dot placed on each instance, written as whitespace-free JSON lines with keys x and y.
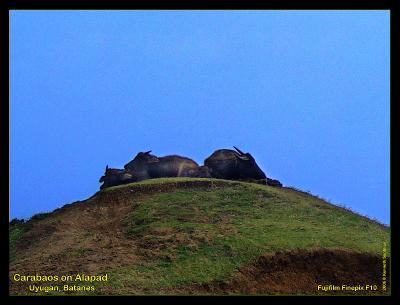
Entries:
{"x":168,"y":184}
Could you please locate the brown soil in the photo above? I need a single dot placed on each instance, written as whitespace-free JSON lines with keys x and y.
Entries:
{"x":88,"y":237}
{"x":301,"y":271}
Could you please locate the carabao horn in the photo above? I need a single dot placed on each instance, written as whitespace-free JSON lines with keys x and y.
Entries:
{"x":239,"y":151}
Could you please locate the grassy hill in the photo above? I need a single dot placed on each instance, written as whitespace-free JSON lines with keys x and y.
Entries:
{"x":200,"y":236}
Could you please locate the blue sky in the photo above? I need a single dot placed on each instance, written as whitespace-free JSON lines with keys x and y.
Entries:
{"x":306,"y":92}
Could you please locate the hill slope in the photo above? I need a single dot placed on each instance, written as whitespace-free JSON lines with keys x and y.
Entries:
{"x":200,"y":236}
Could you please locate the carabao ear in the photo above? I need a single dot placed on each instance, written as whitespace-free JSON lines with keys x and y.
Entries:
{"x":147,"y":152}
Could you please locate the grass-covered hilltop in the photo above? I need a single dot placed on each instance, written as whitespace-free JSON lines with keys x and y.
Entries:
{"x":199,"y":236}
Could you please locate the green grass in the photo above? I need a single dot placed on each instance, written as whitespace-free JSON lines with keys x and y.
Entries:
{"x":197,"y":235}
{"x":165,"y":180}
{"x":17,"y":230}
{"x":200,"y":235}
{"x":15,"y":234}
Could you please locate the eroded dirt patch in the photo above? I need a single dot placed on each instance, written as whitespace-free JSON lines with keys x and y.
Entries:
{"x":154,"y":241}
{"x":301,"y":271}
